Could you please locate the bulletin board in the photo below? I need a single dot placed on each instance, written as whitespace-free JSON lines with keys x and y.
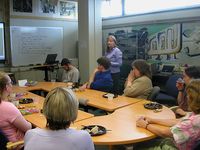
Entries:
{"x":31,"y":45}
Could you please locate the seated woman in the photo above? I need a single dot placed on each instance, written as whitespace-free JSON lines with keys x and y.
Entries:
{"x":185,"y":132}
{"x":138,"y":83}
{"x":189,"y":73}
{"x":12,"y":123}
{"x":101,"y":78}
{"x":60,"y":109}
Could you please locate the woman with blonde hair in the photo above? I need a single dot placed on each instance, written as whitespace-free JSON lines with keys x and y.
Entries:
{"x":114,"y":54}
{"x":60,"y":109}
{"x":183,"y":133}
{"x":12,"y":123}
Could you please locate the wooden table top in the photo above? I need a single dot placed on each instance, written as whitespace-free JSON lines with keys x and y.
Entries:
{"x":39,"y":120}
{"x":97,"y":100}
{"x":95,"y":97}
{"x":122,"y":124}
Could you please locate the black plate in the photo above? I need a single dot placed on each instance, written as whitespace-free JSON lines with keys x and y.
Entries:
{"x":153,"y":105}
{"x":101,"y":130}
{"x":106,"y":95}
{"x":26,"y":100}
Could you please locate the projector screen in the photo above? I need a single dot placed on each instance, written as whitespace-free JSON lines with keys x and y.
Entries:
{"x":2,"y":41}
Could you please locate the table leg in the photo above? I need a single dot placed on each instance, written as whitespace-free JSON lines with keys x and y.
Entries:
{"x":46,"y":74}
{"x":110,"y":147}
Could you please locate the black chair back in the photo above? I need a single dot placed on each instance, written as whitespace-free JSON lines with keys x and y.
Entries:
{"x":197,"y":146}
{"x":3,"y":141}
{"x":155,"y":91}
{"x":170,"y":86}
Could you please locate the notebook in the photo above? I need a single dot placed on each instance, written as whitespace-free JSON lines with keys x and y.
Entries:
{"x":51,"y":59}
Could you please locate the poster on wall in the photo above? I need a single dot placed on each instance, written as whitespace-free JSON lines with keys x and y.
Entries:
{"x":22,"y":6}
{"x":47,"y":8}
{"x":68,"y":9}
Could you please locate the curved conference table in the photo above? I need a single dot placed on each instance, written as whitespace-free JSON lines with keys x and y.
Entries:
{"x":121,"y":123}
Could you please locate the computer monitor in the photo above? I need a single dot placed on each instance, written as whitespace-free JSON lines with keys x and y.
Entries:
{"x":51,"y":59}
{"x":167,"y":68}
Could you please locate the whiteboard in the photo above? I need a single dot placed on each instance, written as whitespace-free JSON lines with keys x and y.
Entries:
{"x":30,"y":45}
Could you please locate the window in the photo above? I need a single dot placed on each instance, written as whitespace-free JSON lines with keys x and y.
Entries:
{"x":111,"y":8}
{"x":145,"y":6}
{"x":2,"y":41}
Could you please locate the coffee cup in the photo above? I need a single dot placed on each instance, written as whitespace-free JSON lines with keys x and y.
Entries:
{"x":180,"y":81}
{"x":110,"y":96}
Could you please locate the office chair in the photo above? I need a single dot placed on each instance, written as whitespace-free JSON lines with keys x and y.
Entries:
{"x":169,"y":94}
{"x":124,"y":72}
{"x":6,"y":145}
{"x":197,"y":146}
{"x":154,"y":93}
{"x":3,"y":140}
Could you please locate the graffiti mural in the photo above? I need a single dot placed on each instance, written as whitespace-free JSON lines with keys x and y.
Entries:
{"x":170,"y":43}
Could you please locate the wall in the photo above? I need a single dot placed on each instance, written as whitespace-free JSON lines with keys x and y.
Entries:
{"x":70,"y":34}
{"x":146,"y":29}
{"x":70,"y":42}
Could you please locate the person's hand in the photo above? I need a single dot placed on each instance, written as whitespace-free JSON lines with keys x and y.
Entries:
{"x":148,"y":119}
{"x":95,"y":70}
{"x":130,"y":76}
{"x":180,"y":84}
{"x":88,"y":86}
{"x":180,"y":112}
{"x":83,"y":87}
{"x":141,"y":122}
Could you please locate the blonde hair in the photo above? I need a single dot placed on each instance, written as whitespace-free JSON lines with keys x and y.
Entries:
{"x":3,"y":83}
{"x":113,"y":38}
{"x":193,"y":93}
{"x":60,"y":108}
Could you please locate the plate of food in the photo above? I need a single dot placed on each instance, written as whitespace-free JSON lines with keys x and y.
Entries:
{"x":25,"y":100}
{"x":95,"y":130}
{"x":153,"y":105}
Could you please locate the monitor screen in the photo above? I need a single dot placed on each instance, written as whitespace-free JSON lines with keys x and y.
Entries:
{"x":51,"y":59}
{"x":2,"y":41}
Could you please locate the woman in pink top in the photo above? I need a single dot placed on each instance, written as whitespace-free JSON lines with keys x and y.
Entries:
{"x":12,"y":123}
{"x":185,"y":132}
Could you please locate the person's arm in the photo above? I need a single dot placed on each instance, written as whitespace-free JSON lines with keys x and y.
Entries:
{"x":22,"y":124}
{"x":118,"y":59}
{"x":75,"y":77}
{"x":92,"y":77}
{"x":164,"y":122}
{"x":180,"y":88}
{"x":136,"y":88}
{"x":180,"y":112}
{"x":180,"y":95}
{"x":104,"y":83}
{"x":129,"y":79}
{"x":162,"y":132}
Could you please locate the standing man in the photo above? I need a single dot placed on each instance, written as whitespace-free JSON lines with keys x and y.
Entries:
{"x":114,"y":54}
{"x":68,"y":73}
